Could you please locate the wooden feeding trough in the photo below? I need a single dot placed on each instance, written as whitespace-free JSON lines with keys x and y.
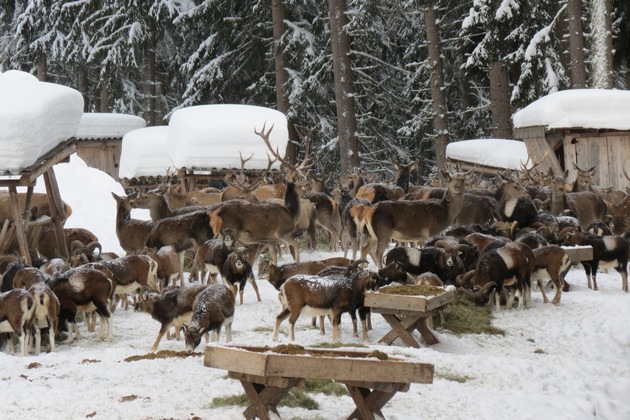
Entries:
{"x":268,"y":374}
{"x":407,"y":312}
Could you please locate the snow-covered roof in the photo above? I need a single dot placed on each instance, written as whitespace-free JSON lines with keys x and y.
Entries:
{"x":497,"y":153}
{"x":578,"y":108}
{"x":34,"y":118}
{"x":101,"y":125}
{"x":143,"y":153}
{"x":211,"y":136}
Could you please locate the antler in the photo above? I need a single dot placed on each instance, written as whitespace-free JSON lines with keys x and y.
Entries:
{"x":276,"y":154}
{"x":535,"y":163}
{"x":240,"y":179}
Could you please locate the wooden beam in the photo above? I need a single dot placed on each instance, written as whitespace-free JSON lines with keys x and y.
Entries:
{"x":57,"y":211}
{"x":19,"y":226}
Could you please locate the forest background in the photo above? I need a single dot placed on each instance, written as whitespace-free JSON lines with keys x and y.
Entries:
{"x":374,"y":80}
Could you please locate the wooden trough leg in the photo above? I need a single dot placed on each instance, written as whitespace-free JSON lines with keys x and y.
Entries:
{"x":370,"y":402}
{"x":264,"y":397}
{"x":425,"y":331}
{"x":400,"y":329}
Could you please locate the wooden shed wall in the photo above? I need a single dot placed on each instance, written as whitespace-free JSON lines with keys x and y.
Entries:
{"x":607,"y":151}
{"x":101,"y":154}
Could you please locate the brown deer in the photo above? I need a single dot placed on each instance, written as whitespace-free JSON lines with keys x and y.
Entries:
{"x":131,"y":233}
{"x":410,"y":221}
{"x":378,"y":191}
{"x":585,"y":205}
{"x":263,"y":223}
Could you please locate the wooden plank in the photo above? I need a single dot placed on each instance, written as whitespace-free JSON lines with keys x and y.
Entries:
{"x":276,"y":381}
{"x":408,"y":302}
{"x":539,"y":147}
{"x":316,"y":367}
{"x":391,"y":301}
{"x":381,"y":386}
{"x":579,"y":253}
{"x":57,"y":211}
{"x":57,"y":155}
{"x":19,"y":226}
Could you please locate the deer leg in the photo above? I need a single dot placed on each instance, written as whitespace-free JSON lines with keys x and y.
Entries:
{"x":336,"y":322}
{"x":281,"y":317}
{"x":163,"y":330}
{"x":539,"y":282}
{"x":587,"y":270}
{"x":252,"y":280}
{"x":182,"y":260}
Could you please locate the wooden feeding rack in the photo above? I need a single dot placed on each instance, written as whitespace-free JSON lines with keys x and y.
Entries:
{"x":22,"y":225}
{"x":268,"y":374}
{"x":579,"y":253}
{"x":405,"y":313}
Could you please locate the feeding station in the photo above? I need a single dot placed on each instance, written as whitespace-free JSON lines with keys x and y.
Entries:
{"x":201,"y":144}
{"x":206,"y":141}
{"x":268,"y":374}
{"x":38,"y":121}
{"x":144,"y":161}
{"x":99,"y":139}
{"x":487,"y":156}
{"x":409,"y":311}
{"x":588,"y":127}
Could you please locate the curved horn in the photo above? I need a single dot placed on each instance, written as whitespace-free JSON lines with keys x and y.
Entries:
{"x":94,"y":245}
{"x":355,"y":264}
{"x":76,"y":245}
{"x":513,"y":229}
{"x":485,"y":289}
{"x":442,"y":243}
{"x":464,"y":280}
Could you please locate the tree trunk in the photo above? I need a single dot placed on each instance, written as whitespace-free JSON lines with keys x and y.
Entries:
{"x":576,"y":44}
{"x":500,"y":101}
{"x":344,"y":87}
{"x":278,"y":16}
{"x":601,"y":50}
{"x":150,"y":86}
{"x":436,"y":65}
{"x":42,"y":68}
{"x":561,"y":31}
{"x":83,"y":85}
{"x":104,"y":98}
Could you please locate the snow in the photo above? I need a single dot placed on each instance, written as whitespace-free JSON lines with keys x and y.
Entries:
{"x":144,"y":153}
{"x":578,"y":108}
{"x":211,"y":136}
{"x":35,"y":117}
{"x":498,"y":153}
{"x":102,"y":125}
{"x":554,"y":362}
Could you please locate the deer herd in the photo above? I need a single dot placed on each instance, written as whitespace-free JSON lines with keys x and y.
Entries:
{"x":488,"y":236}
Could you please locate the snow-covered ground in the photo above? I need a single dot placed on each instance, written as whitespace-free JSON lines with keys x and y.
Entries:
{"x":556,"y":362}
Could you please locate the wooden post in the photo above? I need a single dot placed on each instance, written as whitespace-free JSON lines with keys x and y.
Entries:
{"x":57,"y":211}
{"x":19,"y":226}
